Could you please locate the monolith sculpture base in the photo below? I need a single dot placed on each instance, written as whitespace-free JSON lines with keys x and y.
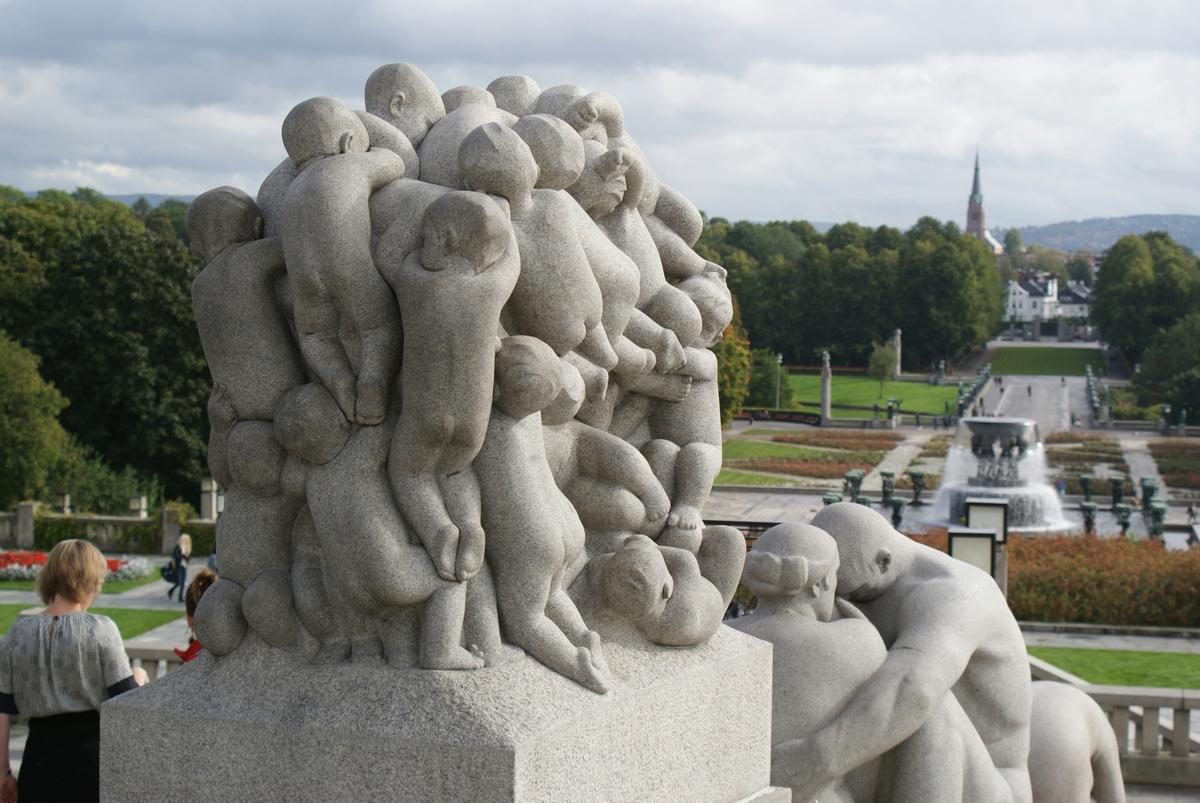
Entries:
{"x":680,"y":724}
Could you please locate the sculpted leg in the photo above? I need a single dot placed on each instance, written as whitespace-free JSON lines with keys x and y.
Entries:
{"x":441,"y":631}
{"x":695,"y":469}
{"x":604,"y":506}
{"x":460,"y":492}
{"x":314,"y":604}
{"x":317,"y":331}
{"x":721,"y":557}
{"x":377,"y":321}
{"x":597,"y":348}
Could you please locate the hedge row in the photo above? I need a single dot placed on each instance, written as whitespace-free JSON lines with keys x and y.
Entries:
{"x":1111,"y":581}
{"x":143,"y":537}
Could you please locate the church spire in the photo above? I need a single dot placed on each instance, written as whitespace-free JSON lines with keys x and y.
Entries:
{"x":975,"y":217}
{"x":976,"y":192}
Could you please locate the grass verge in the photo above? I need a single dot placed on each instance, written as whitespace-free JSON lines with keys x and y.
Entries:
{"x":916,"y":397}
{"x":130,"y":621}
{"x":111,"y":587}
{"x":1046,"y":361}
{"x":1172,"y":670}
{"x":732,"y":477}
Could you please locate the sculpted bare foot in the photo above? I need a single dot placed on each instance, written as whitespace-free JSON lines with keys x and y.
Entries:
{"x":503,"y":654}
{"x":685,"y":529}
{"x":587,"y":675}
{"x":591,"y":640}
{"x":678,"y":386}
{"x":371,"y":402}
{"x":442,"y":547}
{"x":454,"y":658}
{"x":470,"y":551}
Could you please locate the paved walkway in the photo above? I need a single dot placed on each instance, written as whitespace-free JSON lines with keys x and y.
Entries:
{"x":153,"y":595}
{"x":897,"y":460}
{"x":1113,"y":642}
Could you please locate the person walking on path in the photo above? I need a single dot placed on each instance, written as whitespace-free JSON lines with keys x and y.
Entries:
{"x":180,"y":556}
{"x":56,"y":668}
{"x":1191,"y":513}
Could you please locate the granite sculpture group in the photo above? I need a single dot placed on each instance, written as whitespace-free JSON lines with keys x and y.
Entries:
{"x":459,"y":347}
{"x":466,"y":418}
{"x":901,"y":674}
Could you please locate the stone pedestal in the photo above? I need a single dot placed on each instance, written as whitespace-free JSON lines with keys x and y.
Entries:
{"x":25,"y":514}
{"x":680,"y":724}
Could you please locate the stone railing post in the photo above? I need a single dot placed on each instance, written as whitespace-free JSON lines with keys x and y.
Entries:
{"x":25,"y":511}
{"x":170,"y":529}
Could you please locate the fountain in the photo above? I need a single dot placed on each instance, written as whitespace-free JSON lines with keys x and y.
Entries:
{"x":1001,"y":458}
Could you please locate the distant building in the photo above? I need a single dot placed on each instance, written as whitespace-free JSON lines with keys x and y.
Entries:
{"x":1037,"y":297}
{"x":976,"y":219}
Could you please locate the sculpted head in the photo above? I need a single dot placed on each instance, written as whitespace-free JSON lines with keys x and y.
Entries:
{"x":516,"y":94}
{"x":219,"y":218}
{"x":601,"y":186}
{"x":634,"y":580}
{"x":794,"y":561}
{"x":464,"y":231}
{"x":406,"y":98}
{"x":322,"y":127}
{"x":494,"y":159}
{"x":310,"y":425}
{"x":866,"y":542}
{"x":556,"y":147}
{"x":528,"y":376}
{"x":462,"y":95}
{"x":711,"y":296}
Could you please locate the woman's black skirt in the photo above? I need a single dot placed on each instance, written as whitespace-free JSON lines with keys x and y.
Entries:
{"x":62,"y":759}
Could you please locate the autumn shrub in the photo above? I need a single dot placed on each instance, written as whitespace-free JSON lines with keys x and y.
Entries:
{"x":1090,"y":580}
{"x":1103,"y":581}
{"x":1069,"y":436}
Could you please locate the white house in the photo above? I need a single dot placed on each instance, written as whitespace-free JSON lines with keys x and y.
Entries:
{"x":1032,"y":298}
{"x":1075,"y":301}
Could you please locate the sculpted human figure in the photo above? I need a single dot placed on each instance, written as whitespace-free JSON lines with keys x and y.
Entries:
{"x":673,"y":597}
{"x":608,"y":189}
{"x":556,"y":298}
{"x":685,"y":449}
{"x":254,"y":363}
{"x":368,"y":557}
{"x":403,"y":95}
{"x":327,"y":245}
{"x":451,"y":292}
{"x":249,"y":349}
{"x":947,"y":628}
{"x":439,"y":150}
{"x":462,"y":95}
{"x":1073,"y":755}
{"x":533,"y":532}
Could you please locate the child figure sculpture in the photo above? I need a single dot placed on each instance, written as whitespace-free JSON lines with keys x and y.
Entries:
{"x":326,"y":229}
{"x":533,"y":532}
{"x":451,"y":292}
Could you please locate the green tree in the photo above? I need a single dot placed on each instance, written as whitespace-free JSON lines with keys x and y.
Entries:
{"x":31,"y":438}
{"x":733,"y":367}
{"x":110,"y":317}
{"x":1012,"y":243}
{"x":1171,"y":367}
{"x":1079,"y":270}
{"x":882,"y":366}
{"x":766,"y":377}
{"x":1145,"y":285}
{"x":96,"y":487}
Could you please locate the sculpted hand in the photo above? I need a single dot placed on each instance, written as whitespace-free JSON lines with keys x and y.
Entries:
{"x":669,"y":353}
{"x":801,"y":764}
{"x":140,"y":677}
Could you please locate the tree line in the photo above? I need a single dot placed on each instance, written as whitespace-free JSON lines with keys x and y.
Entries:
{"x":802,"y":292}
{"x":106,"y":382}
{"x":1147,"y":305}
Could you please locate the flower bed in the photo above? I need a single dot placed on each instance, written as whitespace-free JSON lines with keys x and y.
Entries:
{"x":1178,"y":462}
{"x":834,"y":468}
{"x":27,"y":566}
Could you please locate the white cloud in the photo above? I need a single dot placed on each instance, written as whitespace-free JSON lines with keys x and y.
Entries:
{"x":830,"y":110}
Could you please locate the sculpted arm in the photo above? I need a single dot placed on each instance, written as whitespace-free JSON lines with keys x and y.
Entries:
{"x":922,"y":666}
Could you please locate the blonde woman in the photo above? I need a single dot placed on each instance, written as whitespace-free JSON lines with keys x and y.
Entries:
{"x":57,"y":667}
{"x":180,"y":556}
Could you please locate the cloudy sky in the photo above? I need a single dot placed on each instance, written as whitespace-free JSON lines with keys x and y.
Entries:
{"x":821,"y":109}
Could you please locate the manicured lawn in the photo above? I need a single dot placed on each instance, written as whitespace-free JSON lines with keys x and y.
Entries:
{"x":732,"y":477}
{"x":111,"y":587}
{"x":1046,"y":360}
{"x":1172,"y":670}
{"x":916,"y":397}
{"x":130,"y":621}
{"x":742,"y":450}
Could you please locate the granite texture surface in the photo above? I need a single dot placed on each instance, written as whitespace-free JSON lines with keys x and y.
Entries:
{"x":677,"y":725}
